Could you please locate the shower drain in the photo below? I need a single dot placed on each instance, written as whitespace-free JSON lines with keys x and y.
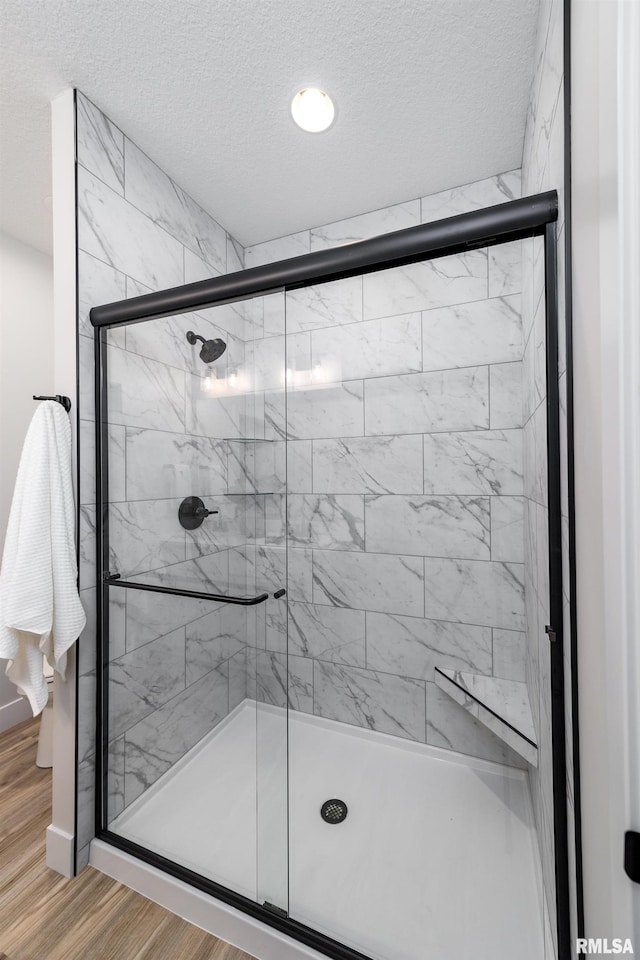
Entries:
{"x":333,"y":811}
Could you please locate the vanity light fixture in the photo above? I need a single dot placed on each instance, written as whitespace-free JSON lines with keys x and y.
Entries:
{"x":313,"y":110}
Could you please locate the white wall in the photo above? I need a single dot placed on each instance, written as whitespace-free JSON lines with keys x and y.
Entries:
{"x":605,"y":41}
{"x":26,"y":367}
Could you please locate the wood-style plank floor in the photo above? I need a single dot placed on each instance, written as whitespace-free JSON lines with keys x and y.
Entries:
{"x":43,"y":916}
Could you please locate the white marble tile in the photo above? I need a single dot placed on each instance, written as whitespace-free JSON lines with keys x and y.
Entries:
{"x":253,"y":310}
{"x":397,"y":217}
{"x":469,"y":334}
{"x":428,"y":402}
{"x":85,"y":786}
{"x":163,"y":465}
{"x":283,"y":248}
{"x":376,"y":701}
{"x":235,"y":255}
{"x":449,"y":526}
{"x":258,"y":467}
{"x":213,"y":639}
{"x":86,"y":368}
{"x":267,"y":358}
{"x":505,"y":269}
{"x":157,"y":742}
{"x":143,"y":680}
{"x":265,"y":568}
{"x":218,"y":417}
{"x":472,"y":196}
{"x":230,"y":317}
{"x":326,"y":521}
{"x":149,"y":189}
{"x":334,"y":634}
{"x":475,"y":591}
{"x":116,"y":232}
{"x":99,"y":144}
{"x":430,"y":283}
{"x":534,"y":366}
{"x":299,"y":460}
{"x":98,"y":283}
{"x":452,"y":728}
{"x":535,"y":456}
{"x":334,"y":410}
{"x":150,"y":615}
{"x":368,"y":465}
{"x":87,"y":728}
{"x":117,"y":479}
{"x":414,"y":647}
{"x":237,"y":679}
{"x":283,"y":680}
{"x":144,"y":393}
{"x":373,"y":348}
{"x":115,"y":784}
{"x":509,"y":654}
{"x":479,"y":461}
{"x":86,"y":647}
{"x":87,"y":538}
{"x":145,"y":535}
{"x":367,"y":581}
{"x":274,"y":314}
{"x":507,"y":529}
{"x":505,"y":395}
{"x":196,"y":269}
{"x":324,"y":305}
{"x":270,"y":467}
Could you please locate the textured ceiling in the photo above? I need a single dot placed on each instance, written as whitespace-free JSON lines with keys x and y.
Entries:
{"x":429,"y":94}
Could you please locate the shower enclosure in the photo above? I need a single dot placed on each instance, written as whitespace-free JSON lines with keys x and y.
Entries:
{"x":330,"y":689}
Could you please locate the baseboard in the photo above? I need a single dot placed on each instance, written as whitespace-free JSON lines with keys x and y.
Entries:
{"x":13,"y":713}
{"x":60,"y":851}
{"x":217,"y":918}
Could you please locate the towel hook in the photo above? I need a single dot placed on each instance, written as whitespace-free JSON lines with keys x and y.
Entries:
{"x":65,"y":401}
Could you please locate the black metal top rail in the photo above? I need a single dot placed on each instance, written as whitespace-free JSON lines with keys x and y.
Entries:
{"x":479,"y":228}
{"x":115,"y":581}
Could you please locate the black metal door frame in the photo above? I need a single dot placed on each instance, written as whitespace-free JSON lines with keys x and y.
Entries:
{"x":519,"y":219}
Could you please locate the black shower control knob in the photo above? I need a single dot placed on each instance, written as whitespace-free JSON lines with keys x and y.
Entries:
{"x":203,"y":512}
{"x":192,"y":512}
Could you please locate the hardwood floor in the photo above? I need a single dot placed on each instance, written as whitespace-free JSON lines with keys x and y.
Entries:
{"x":43,"y":916}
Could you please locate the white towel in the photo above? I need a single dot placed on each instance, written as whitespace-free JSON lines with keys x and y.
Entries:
{"x":40,"y":610}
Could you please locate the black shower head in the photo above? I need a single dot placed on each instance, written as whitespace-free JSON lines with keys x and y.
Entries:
{"x":211,"y":349}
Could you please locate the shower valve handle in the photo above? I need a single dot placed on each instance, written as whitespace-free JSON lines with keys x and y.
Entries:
{"x":192,"y":512}
{"x":203,"y":512}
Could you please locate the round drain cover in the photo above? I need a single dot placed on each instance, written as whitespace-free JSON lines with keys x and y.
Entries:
{"x":333,"y":811}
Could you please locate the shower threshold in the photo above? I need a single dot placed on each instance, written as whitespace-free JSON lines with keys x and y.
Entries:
{"x":437,"y":858}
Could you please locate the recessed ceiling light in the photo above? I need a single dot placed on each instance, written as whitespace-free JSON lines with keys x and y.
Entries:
{"x":313,"y":110}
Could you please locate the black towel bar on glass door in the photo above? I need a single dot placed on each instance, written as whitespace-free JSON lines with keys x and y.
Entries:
{"x":65,"y":401}
{"x":115,"y":581}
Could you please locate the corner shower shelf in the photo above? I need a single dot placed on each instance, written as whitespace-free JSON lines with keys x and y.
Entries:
{"x":501,"y":705}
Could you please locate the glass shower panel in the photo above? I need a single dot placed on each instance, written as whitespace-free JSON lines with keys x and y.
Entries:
{"x":419,"y":788}
{"x":197,"y":752}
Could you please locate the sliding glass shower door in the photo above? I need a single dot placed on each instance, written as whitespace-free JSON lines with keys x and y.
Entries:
{"x":194,"y":577}
{"x":328,"y":607}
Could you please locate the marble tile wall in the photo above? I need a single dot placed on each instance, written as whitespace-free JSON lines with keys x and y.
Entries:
{"x":403,"y":527}
{"x":176,"y":664}
{"x":543,"y":169}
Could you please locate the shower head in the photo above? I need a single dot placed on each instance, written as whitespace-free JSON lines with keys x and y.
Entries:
{"x":211,"y":349}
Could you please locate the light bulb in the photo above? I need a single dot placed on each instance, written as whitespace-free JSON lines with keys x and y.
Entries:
{"x":313,"y":110}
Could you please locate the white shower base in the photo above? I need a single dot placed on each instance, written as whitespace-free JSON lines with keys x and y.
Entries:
{"x":437,"y":859}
